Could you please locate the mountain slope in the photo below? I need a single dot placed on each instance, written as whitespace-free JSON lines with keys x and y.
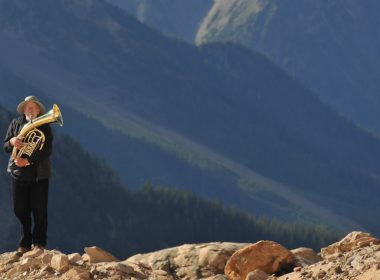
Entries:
{"x":224,"y":97}
{"x":138,"y":160}
{"x":88,"y":205}
{"x":174,"y":18}
{"x":330,"y":47}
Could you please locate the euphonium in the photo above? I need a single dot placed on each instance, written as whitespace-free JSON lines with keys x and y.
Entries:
{"x":34,"y":138}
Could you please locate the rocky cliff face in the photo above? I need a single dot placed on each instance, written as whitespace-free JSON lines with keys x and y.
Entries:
{"x":357,"y":256}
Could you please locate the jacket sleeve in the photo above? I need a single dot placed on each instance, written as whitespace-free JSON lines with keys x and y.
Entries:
{"x":10,"y":134}
{"x":46,"y":150}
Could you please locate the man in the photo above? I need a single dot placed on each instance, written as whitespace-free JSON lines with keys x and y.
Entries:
{"x":30,"y":176}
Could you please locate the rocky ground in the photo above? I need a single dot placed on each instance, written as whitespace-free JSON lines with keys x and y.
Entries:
{"x":357,"y":256}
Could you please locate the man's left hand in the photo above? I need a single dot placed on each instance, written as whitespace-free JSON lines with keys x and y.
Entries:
{"x":21,"y":162}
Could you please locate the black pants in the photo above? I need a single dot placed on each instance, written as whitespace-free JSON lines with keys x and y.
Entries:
{"x":31,"y":198}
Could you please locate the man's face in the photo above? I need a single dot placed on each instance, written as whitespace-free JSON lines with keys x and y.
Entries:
{"x":31,"y":110}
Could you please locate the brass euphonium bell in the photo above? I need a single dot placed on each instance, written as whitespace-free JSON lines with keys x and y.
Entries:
{"x":34,"y":138}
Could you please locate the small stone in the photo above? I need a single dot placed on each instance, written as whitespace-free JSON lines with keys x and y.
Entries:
{"x":161,"y":272}
{"x":46,"y":258}
{"x":338,"y":269}
{"x":297,"y":269}
{"x":86,"y":257}
{"x":60,"y":262}
{"x":77,"y":274}
{"x":48,"y":268}
{"x":321,"y":274}
{"x":27,"y":264}
{"x":122,"y":267}
{"x":75,"y":257}
{"x":113,"y":266}
{"x":94,"y":270}
{"x":12,"y":272}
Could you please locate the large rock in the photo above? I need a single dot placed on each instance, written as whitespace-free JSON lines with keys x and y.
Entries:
{"x":267,"y":256}
{"x":191,"y":261}
{"x":305,"y":256}
{"x":352,"y":241}
{"x":96,"y":254}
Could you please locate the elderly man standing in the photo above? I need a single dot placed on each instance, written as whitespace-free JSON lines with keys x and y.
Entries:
{"x":30,"y":172}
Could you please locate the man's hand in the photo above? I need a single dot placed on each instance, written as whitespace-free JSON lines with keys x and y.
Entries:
{"x":16,"y":142}
{"x":21,"y":162}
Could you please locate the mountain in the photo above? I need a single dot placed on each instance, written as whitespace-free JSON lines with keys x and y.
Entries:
{"x":180,"y":19}
{"x":88,"y":205}
{"x":331,"y":47}
{"x":216,"y":106}
{"x":139,"y":160}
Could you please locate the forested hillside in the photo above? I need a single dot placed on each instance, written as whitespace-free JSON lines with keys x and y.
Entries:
{"x":88,"y":206}
{"x":218,"y":101}
{"x":138,"y":160}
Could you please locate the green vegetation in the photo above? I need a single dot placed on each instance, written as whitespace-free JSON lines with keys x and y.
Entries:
{"x":224,"y":96}
{"x":89,"y":206}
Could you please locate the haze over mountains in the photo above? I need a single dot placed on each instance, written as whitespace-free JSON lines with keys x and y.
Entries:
{"x":331,"y":47}
{"x":260,"y":138}
{"x":174,"y":18}
{"x":88,"y":205}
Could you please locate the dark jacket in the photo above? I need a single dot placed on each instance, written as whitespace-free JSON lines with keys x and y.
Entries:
{"x":39,"y":167}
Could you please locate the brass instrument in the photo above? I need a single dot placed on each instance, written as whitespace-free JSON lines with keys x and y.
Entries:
{"x":34,"y":138}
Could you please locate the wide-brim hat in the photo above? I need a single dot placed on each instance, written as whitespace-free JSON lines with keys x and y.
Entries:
{"x":20,"y":107}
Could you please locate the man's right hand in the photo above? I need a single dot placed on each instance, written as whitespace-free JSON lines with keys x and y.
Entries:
{"x":16,"y":142}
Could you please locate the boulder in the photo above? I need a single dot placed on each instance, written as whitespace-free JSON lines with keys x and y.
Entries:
{"x":213,"y":257}
{"x":190,"y":261}
{"x":305,"y":256}
{"x":96,"y":254}
{"x":267,"y":256}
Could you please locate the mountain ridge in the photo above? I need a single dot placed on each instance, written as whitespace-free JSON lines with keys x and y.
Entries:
{"x":221,"y":95}
{"x":173,"y":139}
{"x":329,"y":47}
{"x":102,"y":211}
{"x":173,"y":18}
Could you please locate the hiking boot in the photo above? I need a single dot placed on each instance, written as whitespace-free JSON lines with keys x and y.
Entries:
{"x":36,"y":251}
{"x":38,"y":247}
